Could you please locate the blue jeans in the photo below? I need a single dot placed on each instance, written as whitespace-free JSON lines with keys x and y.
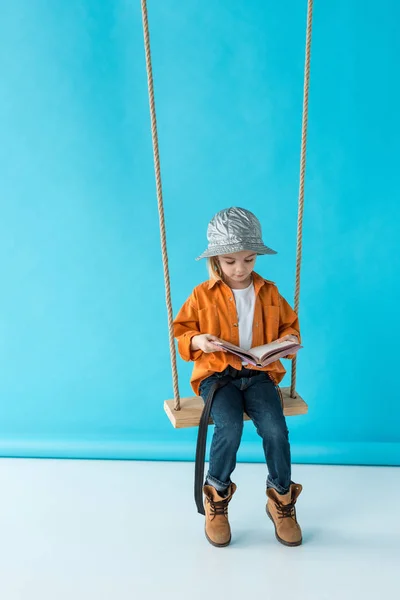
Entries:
{"x":255,"y":393}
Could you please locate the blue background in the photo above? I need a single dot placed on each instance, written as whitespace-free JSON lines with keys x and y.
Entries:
{"x":84,"y":358}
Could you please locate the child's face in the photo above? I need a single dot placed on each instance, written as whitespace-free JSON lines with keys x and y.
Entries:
{"x":237,"y":268}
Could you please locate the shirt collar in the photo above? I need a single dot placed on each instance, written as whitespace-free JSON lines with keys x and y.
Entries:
{"x":257,"y":280}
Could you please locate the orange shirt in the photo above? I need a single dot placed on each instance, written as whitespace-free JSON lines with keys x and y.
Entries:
{"x":211,"y":309}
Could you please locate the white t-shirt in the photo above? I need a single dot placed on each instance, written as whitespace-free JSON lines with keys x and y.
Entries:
{"x":245,"y":302}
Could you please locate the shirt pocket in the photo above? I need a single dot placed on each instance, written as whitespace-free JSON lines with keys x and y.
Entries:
{"x":209,"y":320}
{"x":271,"y":322}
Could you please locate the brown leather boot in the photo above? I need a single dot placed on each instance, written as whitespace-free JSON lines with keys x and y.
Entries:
{"x":218,"y":531}
{"x":281,"y":510}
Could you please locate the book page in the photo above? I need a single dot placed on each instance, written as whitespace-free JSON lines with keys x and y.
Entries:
{"x":274,"y":347}
{"x":277,"y":355}
{"x":245,"y":354}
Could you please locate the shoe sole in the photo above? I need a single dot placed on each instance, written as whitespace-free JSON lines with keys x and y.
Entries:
{"x":218,"y":545}
{"x":290,"y":544}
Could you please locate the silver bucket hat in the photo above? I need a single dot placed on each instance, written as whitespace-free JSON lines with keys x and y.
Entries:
{"x":233,"y":230}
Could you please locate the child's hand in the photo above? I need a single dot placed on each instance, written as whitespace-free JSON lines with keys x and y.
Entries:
{"x":204,"y":342}
{"x":291,"y":338}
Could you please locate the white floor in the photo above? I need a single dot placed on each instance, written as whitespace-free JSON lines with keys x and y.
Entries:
{"x":82,"y":530}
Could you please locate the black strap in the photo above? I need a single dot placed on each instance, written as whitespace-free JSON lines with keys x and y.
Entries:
{"x":201,"y":443}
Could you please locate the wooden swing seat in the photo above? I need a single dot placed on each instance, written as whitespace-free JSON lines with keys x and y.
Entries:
{"x":192,"y":407}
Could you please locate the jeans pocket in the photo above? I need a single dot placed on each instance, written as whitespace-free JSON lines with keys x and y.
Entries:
{"x":206,"y":384}
{"x":264,"y":376}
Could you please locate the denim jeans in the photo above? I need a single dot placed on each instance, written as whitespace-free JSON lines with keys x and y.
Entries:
{"x":255,"y":393}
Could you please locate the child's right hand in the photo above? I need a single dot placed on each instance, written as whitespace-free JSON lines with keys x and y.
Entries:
{"x":204,"y":342}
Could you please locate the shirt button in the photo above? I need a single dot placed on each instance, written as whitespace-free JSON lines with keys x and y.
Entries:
{"x":235,"y":324}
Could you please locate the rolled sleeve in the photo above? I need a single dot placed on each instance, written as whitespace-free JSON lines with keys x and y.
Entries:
{"x":186,"y":326}
{"x":288,"y":322}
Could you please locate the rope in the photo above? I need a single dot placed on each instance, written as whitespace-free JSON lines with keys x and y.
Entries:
{"x":302,"y":179}
{"x":163,"y":236}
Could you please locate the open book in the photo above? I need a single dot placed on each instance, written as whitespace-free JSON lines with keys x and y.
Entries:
{"x":261,"y":356}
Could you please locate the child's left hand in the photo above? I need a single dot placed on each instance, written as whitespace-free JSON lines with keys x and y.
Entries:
{"x":291,"y":338}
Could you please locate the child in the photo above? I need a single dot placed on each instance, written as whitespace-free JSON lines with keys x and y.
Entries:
{"x":239,"y":306}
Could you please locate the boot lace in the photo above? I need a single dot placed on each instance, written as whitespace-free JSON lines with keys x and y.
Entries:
{"x":218,"y":508}
{"x":286,"y":511}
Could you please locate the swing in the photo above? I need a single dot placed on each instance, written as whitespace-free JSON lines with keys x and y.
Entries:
{"x":186,"y":412}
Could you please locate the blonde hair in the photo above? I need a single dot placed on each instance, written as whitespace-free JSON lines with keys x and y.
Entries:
{"x":214,"y":268}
